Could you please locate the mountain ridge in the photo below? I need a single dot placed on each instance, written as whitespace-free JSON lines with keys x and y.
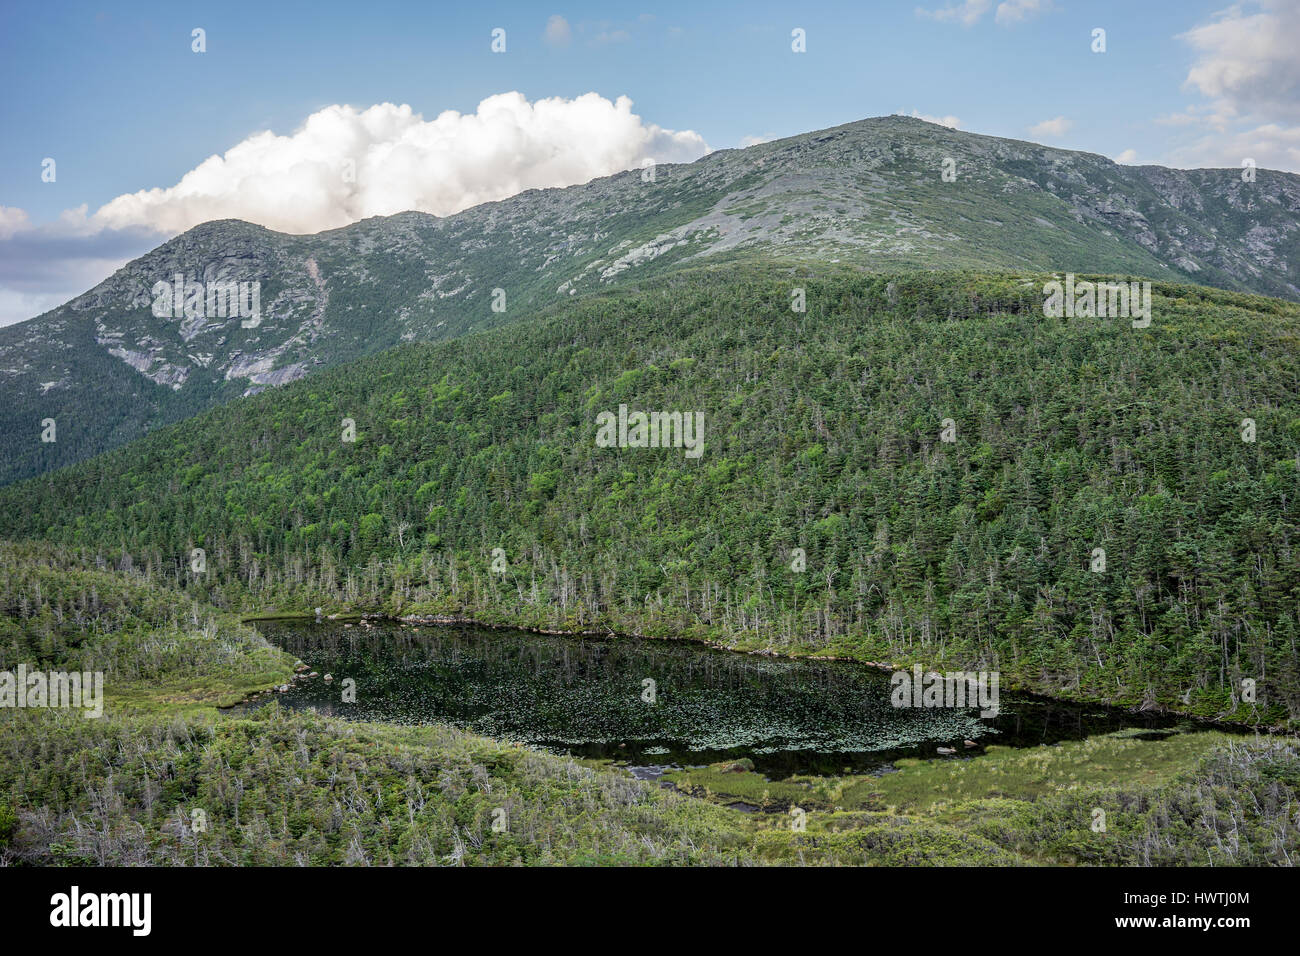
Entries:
{"x":867,"y":194}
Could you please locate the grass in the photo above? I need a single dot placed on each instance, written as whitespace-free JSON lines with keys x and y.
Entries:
{"x":200,"y":694}
{"x":922,"y":786}
{"x":1195,"y":798}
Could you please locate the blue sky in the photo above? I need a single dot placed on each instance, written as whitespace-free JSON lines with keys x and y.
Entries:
{"x":116,"y":96}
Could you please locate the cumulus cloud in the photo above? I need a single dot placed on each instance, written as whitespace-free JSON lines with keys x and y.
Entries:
{"x":43,"y":266}
{"x":970,"y":12}
{"x":1053,"y":128}
{"x":343,"y":164}
{"x":610,"y":36}
{"x":18,"y":306}
{"x":1127,"y":157}
{"x":1270,"y":145}
{"x":1247,"y":62}
{"x":1192,"y":116}
{"x":1246,"y":68}
{"x":12,"y":220}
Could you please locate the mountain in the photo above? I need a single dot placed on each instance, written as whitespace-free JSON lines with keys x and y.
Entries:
{"x":920,"y":468}
{"x":871,"y":195}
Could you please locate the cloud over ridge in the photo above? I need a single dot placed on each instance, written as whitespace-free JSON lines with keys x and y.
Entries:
{"x":345,"y":164}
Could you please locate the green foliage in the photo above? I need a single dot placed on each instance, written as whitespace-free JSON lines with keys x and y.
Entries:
{"x":292,"y":788}
{"x":156,"y":646}
{"x":280,"y":787}
{"x":1194,"y":799}
{"x":159,"y":781}
{"x":1230,"y":811}
{"x":928,"y":786}
{"x":821,"y":433}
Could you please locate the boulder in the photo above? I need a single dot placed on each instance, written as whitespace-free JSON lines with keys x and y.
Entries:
{"x":743,"y":765}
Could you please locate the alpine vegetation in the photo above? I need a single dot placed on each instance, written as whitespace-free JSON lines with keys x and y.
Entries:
{"x":423,"y":564}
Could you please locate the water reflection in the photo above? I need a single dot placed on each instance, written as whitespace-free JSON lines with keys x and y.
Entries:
{"x":587,"y":697}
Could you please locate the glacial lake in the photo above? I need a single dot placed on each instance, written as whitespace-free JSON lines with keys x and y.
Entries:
{"x":585,"y":697}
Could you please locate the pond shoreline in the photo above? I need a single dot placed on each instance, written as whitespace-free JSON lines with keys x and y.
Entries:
{"x":441,"y":620}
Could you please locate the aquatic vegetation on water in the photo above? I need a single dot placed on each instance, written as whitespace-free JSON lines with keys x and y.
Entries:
{"x":591,"y":697}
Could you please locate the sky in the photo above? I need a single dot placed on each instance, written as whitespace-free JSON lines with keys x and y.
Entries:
{"x":120,"y":132}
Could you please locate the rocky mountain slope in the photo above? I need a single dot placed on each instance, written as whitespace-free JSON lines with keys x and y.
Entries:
{"x":883,"y":193}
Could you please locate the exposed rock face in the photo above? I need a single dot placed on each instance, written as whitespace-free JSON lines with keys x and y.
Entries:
{"x":870,"y":193}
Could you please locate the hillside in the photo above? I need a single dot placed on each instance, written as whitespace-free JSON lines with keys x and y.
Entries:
{"x":821,"y":432}
{"x":164,"y":780}
{"x":868,"y":194}
{"x":356,"y":793}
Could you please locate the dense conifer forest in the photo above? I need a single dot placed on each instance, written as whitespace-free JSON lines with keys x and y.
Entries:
{"x":163,"y":778}
{"x":1114,"y":518}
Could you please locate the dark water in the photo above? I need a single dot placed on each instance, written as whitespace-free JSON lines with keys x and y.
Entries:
{"x":584,"y":696}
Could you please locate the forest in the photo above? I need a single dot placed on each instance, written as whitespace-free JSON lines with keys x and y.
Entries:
{"x":919,"y":468}
{"x":165,"y":778}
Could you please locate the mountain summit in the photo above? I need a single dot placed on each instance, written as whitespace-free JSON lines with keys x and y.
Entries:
{"x":887,"y":193}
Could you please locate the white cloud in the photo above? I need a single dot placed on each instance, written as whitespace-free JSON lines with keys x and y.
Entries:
{"x":1053,"y":128}
{"x":1015,"y":11}
{"x":966,"y":13}
{"x":1192,"y":116}
{"x":949,"y":121}
{"x":601,"y":33}
{"x":752,"y":141}
{"x":1247,"y":69}
{"x":44,"y":266}
{"x":1270,"y":145}
{"x":300,"y":183}
{"x":12,"y":220}
{"x":610,"y":36}
{"x":558,"y":32}
{"x":970,"y":12}
{"x":1127,"y":157}
{"x":1247,"y":62}
{"x":400,"y":161}
{"x":18,"y":306}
